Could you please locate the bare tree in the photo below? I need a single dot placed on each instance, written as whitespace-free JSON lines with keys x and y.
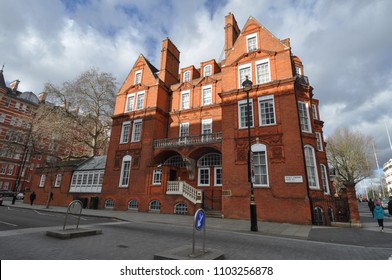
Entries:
{"x":89,"y":101}
{"x":350,"y":154}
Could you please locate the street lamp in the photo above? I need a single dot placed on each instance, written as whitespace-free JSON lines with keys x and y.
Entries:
{"x":247,"y":85}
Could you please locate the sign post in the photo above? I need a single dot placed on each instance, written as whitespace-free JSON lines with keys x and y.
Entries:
{"x":199,"y":223}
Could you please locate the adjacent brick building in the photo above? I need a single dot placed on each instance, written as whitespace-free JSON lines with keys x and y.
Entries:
{"x":179,"y":138}
{"x":17,"y":110}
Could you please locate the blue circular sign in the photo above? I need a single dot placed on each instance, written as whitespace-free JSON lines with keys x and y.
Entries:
{"x":199,"y":219}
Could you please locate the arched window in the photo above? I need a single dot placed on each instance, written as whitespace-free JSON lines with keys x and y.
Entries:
{"x":212,"y":159}
{"x":311,"y":167}
{"x":133,"y":205}
{"x":181,"y":208}
{"x":260,"y":165}
{"x":175,"y":161}
{"x":318,"y":216}
{"x":109,"y":203}
{"x":125,"y":171}
{"x":154,"y":206}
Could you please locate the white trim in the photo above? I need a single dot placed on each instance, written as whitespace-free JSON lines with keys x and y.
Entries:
{"x":136,"y":73}
{"x":202,"y":95}
{"x":266,"y":98}
{"x":240,"y":103}
{"x":185,"y":73}
{"x":204,"y":70}
{"x":199,"y":176}
{"x":129,"y":107}
{"x":135,"y":125}
{"x":189,"y":100}
{"x":157,"y":172}
{"x":241,"y":67}
{"x":309,"y":130}
{"x":215,"y":179}
{"x":324,"y":178}
{"x":123,"y":132}
{"x":126,"y":158}
{"x":319,"y":141}
{"x":314,"y":162}
{"x":137,"y":104}
{"x":42,"y":181}
{"x":263,"y":61}
{"x":258,"y":148}
{"x":254,"y":35}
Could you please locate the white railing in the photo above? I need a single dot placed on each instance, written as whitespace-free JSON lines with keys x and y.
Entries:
{"x":188,"y":140}
{"x":186,"y":190}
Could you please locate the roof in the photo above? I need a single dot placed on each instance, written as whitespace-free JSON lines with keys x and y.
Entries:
{"x":93,"y":163}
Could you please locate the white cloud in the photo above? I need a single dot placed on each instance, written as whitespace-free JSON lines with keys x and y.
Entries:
{"x":344,"y":45}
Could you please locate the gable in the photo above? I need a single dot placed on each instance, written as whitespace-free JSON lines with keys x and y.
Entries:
{"x":263,"y":39}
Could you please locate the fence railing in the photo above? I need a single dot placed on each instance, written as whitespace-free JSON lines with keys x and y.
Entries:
{"x":182,"y":188}
{"x":188,"y":140}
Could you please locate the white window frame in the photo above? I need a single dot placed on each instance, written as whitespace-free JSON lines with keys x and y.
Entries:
{"x":207,"y":70}
{"x":183,"y":132}
{"x":137,"y":130}
{"x":314,"y":112}
{"x":311,"y":167}
{"x":58,"y":180}
{"x":262,"y":62}
{"x":324,"y":179}
{"x":10,"y":170}
{"x":216,"y":168}
{"x":319,"y":141}
{"x":259,"y":149}
{"x":253,"y":47}
{"x":125,"y":131}
{"x":138,"y":77}
{"x":157,"y":176}
{"x":187,"y":76}
{"x":185,"y":104}
{"x":130,"y":102}
{"x":242,"y":76}
{"x":266,"y":99}
{"x":303,"y":111}
{"x":140,"y":100}
{"x":206,"y":95}
{"x":243,"y":104}
{"x":200,"y":184}
{"x":42,"y":181}
{"x":17,"y":105}
{"x":125,"y":174}
{"x":206,"y":129}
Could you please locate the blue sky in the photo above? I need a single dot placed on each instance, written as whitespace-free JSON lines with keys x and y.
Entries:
{"x":345,"y":46}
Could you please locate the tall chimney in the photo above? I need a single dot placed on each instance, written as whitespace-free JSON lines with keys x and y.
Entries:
{"x":170,"y":63}
{"x":231,"y":32}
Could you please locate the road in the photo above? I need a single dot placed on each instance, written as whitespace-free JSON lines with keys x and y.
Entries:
{"x":141,"y":240}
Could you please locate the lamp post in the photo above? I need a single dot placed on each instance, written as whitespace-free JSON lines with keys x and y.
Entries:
{"x":247,"y":85}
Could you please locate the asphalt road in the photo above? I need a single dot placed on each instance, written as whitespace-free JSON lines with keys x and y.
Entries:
{"x":141,"y":240}
{"x":21,"y":218}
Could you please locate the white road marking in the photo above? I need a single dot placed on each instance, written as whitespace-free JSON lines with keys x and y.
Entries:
{"x":1,"y":222}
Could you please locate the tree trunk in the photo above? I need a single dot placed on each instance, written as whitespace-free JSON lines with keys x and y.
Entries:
{"x":353,"y":205}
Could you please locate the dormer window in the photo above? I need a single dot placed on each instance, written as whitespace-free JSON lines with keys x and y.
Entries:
{"x":138,"y":77}
{"x":207,"y":70}
{"x":187,"y":76}
{"x":251,"y":42}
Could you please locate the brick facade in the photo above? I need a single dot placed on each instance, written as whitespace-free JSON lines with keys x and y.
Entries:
{"x":182,"y":131}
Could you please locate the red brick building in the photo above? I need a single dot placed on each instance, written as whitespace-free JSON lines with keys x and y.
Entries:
{"x":179,"y":138}
{"x":17,"y":110}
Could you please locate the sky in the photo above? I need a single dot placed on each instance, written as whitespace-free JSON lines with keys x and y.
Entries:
{"x":345,"y":46}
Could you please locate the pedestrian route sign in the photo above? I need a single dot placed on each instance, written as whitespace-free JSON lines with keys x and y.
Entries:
{"x":199,"y":219}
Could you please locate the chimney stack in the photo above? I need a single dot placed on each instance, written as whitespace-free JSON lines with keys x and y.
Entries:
{"x":170,"y":63}
{"x":231,"y":32}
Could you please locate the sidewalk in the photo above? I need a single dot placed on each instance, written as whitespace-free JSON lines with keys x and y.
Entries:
{"x":369,"y":235}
